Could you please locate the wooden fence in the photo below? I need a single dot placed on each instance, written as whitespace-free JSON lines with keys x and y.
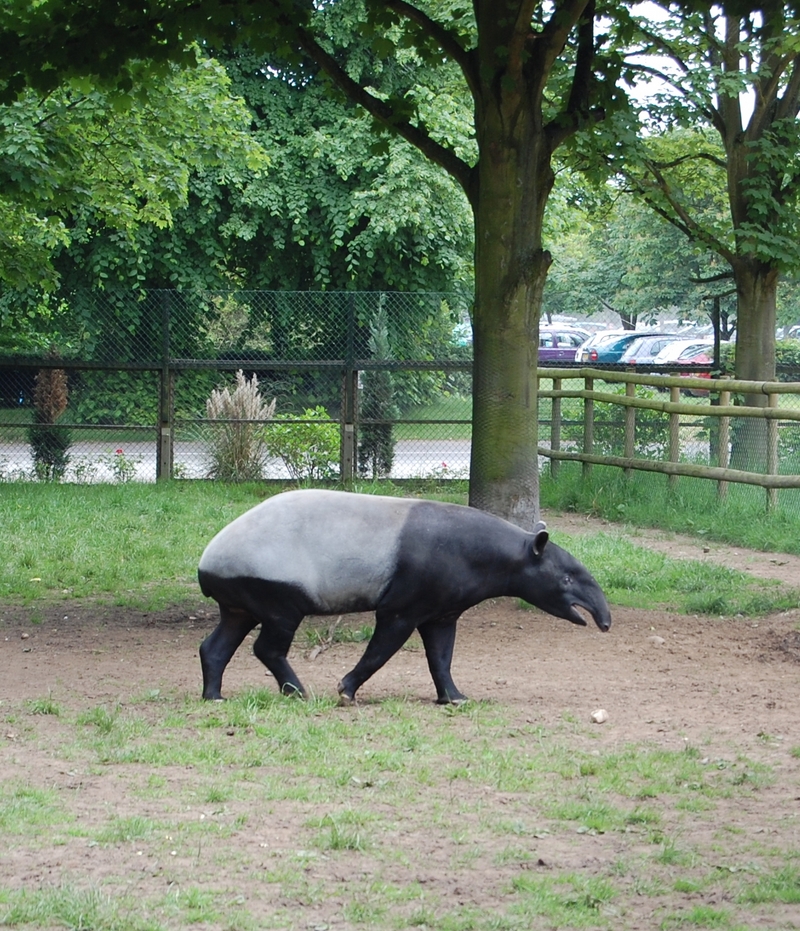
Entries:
{"x":721,"y":389}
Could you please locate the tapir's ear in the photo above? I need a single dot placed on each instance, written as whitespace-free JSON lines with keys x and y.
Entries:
{"x":540,"y":538}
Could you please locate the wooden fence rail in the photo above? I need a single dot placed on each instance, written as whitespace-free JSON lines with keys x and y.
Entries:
{"x":675,"y":408}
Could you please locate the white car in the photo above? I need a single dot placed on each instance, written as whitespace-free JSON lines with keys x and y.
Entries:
{"x":680,"y":347}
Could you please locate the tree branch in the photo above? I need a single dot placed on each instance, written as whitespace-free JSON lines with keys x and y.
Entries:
{"x":556,"y":32}
{"x":520,"y":35}
{"x":703,"y":156}
{"x":709,"y":111}
{"x":722,"y":276}
{"x":386,"y":114}
{"x":442,"y":36}
{"x":789,"y":103}
{"x":677,"y":214}
{"x":582,"y":75}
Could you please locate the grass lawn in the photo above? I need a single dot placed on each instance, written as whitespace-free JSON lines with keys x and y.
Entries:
{"x":140,"y":543}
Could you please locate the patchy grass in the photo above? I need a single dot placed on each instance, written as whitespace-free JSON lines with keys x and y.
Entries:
{"x":256,"y":808}
{"x":646,"y":500}
{"x":638,"y":577}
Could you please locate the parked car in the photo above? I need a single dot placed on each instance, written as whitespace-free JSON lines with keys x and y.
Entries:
{"x":646,"y":348}
{"x":675,"y":350}
{"x":695,"y":356}
{"x":688,"y":352}
{"x":559,"y":343}
{"x":606,"y":346}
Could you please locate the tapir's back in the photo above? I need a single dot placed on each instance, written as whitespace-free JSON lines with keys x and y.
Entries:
{"x":337,"y":547}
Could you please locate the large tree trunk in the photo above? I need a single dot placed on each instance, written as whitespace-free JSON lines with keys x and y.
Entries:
{"x":504,"y":473}
{"x":514,"y":182}
{"x":507,"y":73}
{"x":756,"y":288}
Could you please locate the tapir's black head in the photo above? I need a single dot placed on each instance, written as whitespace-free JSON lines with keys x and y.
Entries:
{"x":558,"y":583}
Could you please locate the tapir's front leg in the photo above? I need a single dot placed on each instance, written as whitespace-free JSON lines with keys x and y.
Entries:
{"x":439,"y":638}
{"x":391,"y":632}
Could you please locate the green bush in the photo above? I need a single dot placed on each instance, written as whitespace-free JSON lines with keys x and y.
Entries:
{"x":116,"y":398}
{"x":308,"y":450}
{"x":787,"y":355}
{"x":49,"y":444}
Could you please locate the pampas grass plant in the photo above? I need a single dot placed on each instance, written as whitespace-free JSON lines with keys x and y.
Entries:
{"x":237,"y":446}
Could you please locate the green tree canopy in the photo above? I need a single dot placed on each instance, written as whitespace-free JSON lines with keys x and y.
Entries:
{"x":722,"y":129}
{"x":83,"y":158}
{"x":535,"y":73}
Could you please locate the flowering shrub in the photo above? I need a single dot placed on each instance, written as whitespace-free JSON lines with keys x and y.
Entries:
{"x":122,"y":467}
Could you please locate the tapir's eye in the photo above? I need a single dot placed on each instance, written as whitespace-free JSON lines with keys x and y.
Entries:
{"x":567,"y":581}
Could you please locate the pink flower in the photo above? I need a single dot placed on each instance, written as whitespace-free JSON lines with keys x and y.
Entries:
{"x":444,"y":465}
{"x":119,"y":451}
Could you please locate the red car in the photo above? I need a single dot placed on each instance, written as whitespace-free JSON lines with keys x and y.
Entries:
{"x":697,"y":356}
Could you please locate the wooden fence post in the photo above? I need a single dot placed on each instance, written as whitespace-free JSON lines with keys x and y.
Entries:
{"x":724,"y":452}
{"x":772,"y":451}
{"x":630,"y":427}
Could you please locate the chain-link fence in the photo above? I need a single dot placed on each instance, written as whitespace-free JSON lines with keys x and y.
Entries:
{"x":111,"y":386}
{"x":302,"y":385}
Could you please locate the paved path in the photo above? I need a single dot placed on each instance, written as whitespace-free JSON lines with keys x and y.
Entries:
{"x":100,"y":462}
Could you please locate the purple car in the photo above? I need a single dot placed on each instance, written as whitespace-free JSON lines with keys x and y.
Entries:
{"x":559,"y":344}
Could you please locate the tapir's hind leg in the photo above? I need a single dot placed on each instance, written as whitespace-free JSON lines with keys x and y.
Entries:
{"x":439,"y":638}
{"x":271,"y":647}
{"x":220,"y":645}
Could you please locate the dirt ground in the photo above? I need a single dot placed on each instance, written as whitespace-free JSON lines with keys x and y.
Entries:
{"x":661,"y":677}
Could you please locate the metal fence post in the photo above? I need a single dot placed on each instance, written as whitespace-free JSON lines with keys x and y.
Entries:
{"x":349,"y":408}
{"x":348,"y":466}
{"x":165,"y":447}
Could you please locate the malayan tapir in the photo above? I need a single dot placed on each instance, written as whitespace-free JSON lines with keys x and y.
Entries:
{"x":417,"y":564}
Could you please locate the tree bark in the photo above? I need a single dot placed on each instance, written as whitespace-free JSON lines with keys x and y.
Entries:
{"x":509,"y":191}
{"x":510,"y":271}
{"x":756,"y":289}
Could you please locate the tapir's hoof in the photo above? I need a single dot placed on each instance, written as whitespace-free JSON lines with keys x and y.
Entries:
{"x":345,"y":698}
{"x":455,"y":700}
{"x":292,"y":691}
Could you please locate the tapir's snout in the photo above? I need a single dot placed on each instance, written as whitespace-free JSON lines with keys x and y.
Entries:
{"x":598,"y":610}
{"x":603,"y":620}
